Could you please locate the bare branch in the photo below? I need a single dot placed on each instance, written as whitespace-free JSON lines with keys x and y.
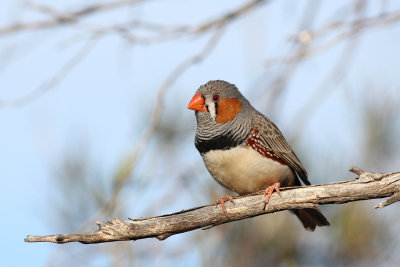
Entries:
{"x":347,"y":30}
{"x":61,"y":19}
{"x":367,"y":186}
{"x":54,"y":80}
{"x":337,"y":75}
{"x":165,"y":32}
{"x":214,"y":25}
{"x":229,"y":16}
{"x":394,"y":198}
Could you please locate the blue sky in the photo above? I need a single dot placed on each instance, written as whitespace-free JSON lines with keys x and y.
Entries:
{"x":101,"y":101}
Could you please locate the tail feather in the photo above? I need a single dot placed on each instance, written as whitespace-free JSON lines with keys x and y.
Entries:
{"x":311,"y":218}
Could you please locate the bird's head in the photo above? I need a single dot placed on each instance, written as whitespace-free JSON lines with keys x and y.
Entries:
{"x":218,"y":101}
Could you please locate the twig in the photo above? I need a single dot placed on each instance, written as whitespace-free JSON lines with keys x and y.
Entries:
{"x":325,"y":88}
{"x":367,"y":186}
{"x":278,"y":85}
{"x":61,"y":18}
{"x":357,"y":27}
{"x":64,"y":18}
{"x":54,"y":80}
{"x":165,"y":32}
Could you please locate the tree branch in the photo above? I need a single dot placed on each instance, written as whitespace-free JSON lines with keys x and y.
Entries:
{"x":366,"y":186}
{"x":60,"y":18}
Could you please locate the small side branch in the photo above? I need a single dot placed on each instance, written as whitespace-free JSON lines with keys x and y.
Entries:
{"x":366,"y":186}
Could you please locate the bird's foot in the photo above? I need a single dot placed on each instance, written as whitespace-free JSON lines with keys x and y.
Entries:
{"x":222,"y":202}
{"x":269,"y":190}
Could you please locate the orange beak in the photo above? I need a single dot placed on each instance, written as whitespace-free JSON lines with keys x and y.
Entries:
{"x":197,"y":103}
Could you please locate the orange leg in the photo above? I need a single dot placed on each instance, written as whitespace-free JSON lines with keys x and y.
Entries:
{"x":269,"y":190}
{"x":222,"y":202}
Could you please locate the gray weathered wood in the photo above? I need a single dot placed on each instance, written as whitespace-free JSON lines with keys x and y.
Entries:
{"x":366,"y":186}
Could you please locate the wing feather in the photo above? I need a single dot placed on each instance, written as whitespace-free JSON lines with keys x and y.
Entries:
{"x":272,"y":138}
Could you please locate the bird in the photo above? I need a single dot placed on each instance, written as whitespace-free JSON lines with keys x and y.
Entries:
{"x":244,"y":150}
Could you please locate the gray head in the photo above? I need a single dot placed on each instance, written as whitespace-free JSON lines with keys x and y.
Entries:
{"x":220,"y":110}
{"x":219,"y":101}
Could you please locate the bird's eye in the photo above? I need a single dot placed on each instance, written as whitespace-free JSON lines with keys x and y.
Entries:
{"x":215,"y":98}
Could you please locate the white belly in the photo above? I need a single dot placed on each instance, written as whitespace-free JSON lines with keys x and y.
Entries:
{"x":244,"y":170}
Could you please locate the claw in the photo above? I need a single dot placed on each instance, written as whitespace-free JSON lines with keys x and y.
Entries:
{"x":222,"y":202}
{"x":269,"y":190}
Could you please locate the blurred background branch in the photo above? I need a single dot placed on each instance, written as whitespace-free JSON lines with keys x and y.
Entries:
{"x":93,"y":102}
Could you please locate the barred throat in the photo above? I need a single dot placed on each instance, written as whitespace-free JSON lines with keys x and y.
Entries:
{"x":215,"y":136}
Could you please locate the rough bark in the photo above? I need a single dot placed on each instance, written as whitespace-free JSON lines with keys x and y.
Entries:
{"x":366,"y":186}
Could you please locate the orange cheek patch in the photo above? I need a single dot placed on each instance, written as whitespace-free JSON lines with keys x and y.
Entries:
{"x":227,"y":109}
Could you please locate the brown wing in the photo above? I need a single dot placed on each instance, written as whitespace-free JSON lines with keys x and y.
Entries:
{"x":273,"y":140}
